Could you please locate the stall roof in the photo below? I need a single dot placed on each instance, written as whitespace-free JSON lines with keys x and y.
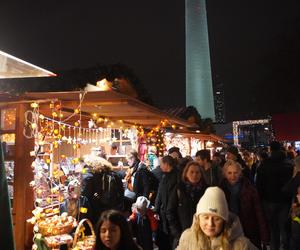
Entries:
{"x":110,"y":104}
{"x":207,"y":137}
{"x":13,"y":67}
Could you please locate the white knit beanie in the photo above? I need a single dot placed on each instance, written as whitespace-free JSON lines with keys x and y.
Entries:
{"x":213,"y":202}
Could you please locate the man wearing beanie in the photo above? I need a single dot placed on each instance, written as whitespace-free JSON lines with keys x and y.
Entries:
{"x":214,"y":228}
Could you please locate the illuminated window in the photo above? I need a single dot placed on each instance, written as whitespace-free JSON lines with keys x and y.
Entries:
{"x":8,"y":119}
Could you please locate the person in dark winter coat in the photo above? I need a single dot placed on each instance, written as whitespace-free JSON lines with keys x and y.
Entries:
{"x":184,"y":200}
{"x":211,"y":173}
{"x":166,"y":186}
{"x":141,"y":184}
{"x":104,"y":188}
{"x":244,"y":201}
{"x":272,"y":175}
{"x":133,"y":162}
{"x":292,"y":189}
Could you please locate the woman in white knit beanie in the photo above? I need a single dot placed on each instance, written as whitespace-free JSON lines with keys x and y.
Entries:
{"x":214,"y":228}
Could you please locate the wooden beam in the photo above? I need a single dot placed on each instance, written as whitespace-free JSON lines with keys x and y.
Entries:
{"x":23,"y":194}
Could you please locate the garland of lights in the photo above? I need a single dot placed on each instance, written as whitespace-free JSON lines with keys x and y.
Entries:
{"x":236,"y":124}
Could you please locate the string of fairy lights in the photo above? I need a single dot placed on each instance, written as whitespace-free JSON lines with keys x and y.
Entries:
{"x":58,"y":130}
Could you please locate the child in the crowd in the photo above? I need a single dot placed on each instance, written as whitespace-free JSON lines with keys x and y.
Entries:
{"x":112,"y":232}
{"x":143,"y":223}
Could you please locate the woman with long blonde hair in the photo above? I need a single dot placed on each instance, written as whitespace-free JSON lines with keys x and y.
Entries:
{"x":214,"y":227}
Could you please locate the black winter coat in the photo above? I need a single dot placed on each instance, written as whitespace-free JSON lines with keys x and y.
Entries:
{"x":272,"y":175}
{"x":166,"y":186}
{"x":182,"y":207}
{"x":104,"y":195}
{"x":141,"y":185}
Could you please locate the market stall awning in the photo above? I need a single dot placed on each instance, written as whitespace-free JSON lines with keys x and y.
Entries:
{"x":110,"y":104}
{"x":13,"y":67}
{"x":286,"y":126}
{"x":201,"y":136}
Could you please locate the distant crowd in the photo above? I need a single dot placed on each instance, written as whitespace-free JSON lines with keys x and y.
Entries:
{"x":235,"y":200}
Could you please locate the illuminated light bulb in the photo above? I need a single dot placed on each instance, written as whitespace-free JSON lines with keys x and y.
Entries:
{"x":48,"y":200}
{"x":61,"y":115}
{"x":33,"y":125}
{"x":51,"y":105}
{"x":41,"y":143}
{"x":41,"y":117}
{"x":94,"y":115}
{"x":77,"y":111}
{"x":54,"y":114}
{"x":74,"y":146}
{"x":58,"y":106}
{"x":105,"y":120}
{"x":76,"y":124}
{"x":55,"y":131}
{"x":173,"y":126}
{"x":121,"y":121}
{"x":48,"y":161}
{"x":59,"y":136}
{"x":100,"y":119}
{"x":63,"y":156}
{"x":34,"y":105}
{"x":39,"y":191}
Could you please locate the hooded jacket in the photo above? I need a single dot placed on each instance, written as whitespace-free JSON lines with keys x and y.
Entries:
{"x":236,"y":239}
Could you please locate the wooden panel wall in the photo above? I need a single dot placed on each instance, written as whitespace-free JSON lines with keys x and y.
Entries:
{"x":23,"y":193}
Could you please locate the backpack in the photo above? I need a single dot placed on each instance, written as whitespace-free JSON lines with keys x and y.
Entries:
{"x":107,"y":190}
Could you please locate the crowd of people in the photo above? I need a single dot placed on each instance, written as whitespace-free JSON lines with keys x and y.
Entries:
{"x":235,"y":199}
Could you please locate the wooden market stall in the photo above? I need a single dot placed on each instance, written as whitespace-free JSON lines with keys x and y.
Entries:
{"x":190,"y":142}
{"x":115,"y":110}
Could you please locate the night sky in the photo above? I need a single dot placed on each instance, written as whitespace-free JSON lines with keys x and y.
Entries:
{"x":255,"y":46}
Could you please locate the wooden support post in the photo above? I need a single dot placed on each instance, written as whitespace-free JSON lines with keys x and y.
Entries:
{"x":23,"y":193}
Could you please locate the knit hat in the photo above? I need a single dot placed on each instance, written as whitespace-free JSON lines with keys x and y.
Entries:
{"x":213,"y":202}
{"x":233,"y":150}
{"x":142,"y":202}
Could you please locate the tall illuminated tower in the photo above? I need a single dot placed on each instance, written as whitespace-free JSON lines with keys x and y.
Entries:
{"x":199,"y":89}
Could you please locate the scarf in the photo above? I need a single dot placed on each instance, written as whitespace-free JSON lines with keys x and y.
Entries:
{"x":234,"y":198}
{"x":194,"y":190}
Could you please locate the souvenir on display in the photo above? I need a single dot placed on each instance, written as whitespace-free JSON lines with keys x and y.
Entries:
{"x":82,"y":241}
